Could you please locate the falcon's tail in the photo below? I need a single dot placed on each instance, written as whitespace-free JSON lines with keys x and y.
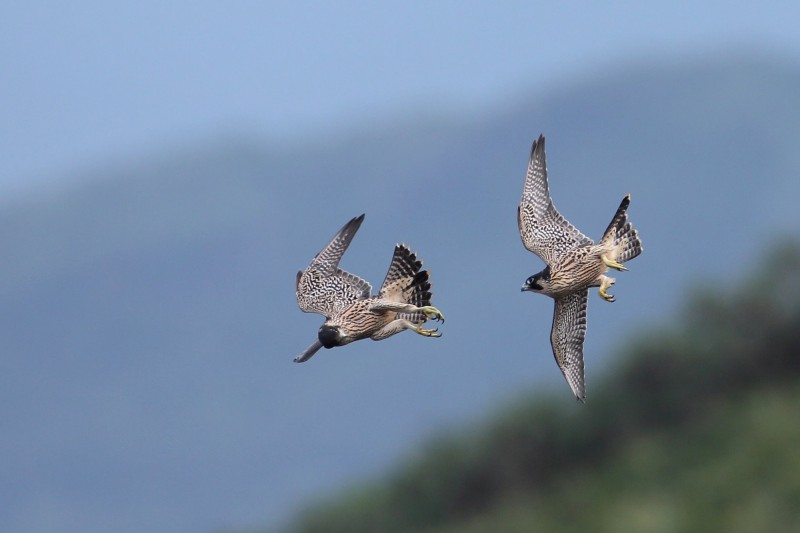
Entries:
{"x":620,"y":235}
{"x":406,"y":283}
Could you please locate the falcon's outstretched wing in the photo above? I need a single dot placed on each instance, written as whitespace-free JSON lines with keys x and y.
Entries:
{"x":327,"y":260}
{"x":542,"y":228}
{"x":569,"y":330}
{"x":309,"y":353}
{"x":323,"y":287}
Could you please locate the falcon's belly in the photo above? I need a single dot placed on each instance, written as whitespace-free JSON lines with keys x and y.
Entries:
{"x":358,"y":322}
{"x":576,"y":271}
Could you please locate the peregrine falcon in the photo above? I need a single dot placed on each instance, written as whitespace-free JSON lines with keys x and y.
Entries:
{"x":573,"y":263}
{"x":351,"y":312}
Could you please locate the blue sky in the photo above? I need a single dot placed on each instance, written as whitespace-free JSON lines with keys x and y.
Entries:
{"x":84,"y":82}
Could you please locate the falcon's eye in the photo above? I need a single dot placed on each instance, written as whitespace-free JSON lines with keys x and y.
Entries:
{"x":533,"y":283}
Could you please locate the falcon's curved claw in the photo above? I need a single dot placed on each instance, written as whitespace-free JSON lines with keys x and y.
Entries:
{"x":610,"y":263}
{"x":431,"y":313}
{"x":427,"y":332}
{"x":605,"y":284}
{"x":607,"y":297}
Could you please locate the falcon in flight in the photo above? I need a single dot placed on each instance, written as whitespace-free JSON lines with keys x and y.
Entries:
{"x":573,"y":264}
{"x":351,"y":312}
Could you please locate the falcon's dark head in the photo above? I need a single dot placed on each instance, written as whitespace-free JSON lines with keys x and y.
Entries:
{"x":537,"y":282}
{"x":330,"y":336}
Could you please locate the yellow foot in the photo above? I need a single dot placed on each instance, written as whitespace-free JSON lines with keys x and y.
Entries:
{"x":612,"y":264}
{"x":432,"y":313}
{"x":427,"y":332}
{"x":605,"y":284}
{"x":605,"y":296}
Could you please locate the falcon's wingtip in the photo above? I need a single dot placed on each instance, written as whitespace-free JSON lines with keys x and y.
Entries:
{"x":538,"y":145}
{"x":352,"y":225}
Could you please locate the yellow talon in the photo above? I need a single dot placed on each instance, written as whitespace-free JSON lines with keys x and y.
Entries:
{"x":612,"y":264}
{"x":427,"y":332}
{"x":605,"y":296}
{"x":606,"y":283}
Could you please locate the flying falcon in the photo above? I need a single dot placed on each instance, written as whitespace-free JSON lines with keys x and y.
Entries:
{"x":573,"y":263}
{"x":351,"y":312}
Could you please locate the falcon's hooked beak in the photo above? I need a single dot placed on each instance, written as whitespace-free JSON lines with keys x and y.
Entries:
{"x":330,"y":336}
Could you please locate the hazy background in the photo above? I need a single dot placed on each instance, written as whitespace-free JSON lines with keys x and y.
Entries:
{"x":166,"y":170}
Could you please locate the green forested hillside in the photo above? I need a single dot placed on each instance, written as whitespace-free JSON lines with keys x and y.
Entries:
{"x":695,"y":428}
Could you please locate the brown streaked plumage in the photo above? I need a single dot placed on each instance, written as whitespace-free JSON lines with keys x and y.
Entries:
{"x":573,"y":263}
{"x":351,"y":312}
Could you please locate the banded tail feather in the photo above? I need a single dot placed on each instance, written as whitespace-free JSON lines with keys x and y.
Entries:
{"x":621,"y":235}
